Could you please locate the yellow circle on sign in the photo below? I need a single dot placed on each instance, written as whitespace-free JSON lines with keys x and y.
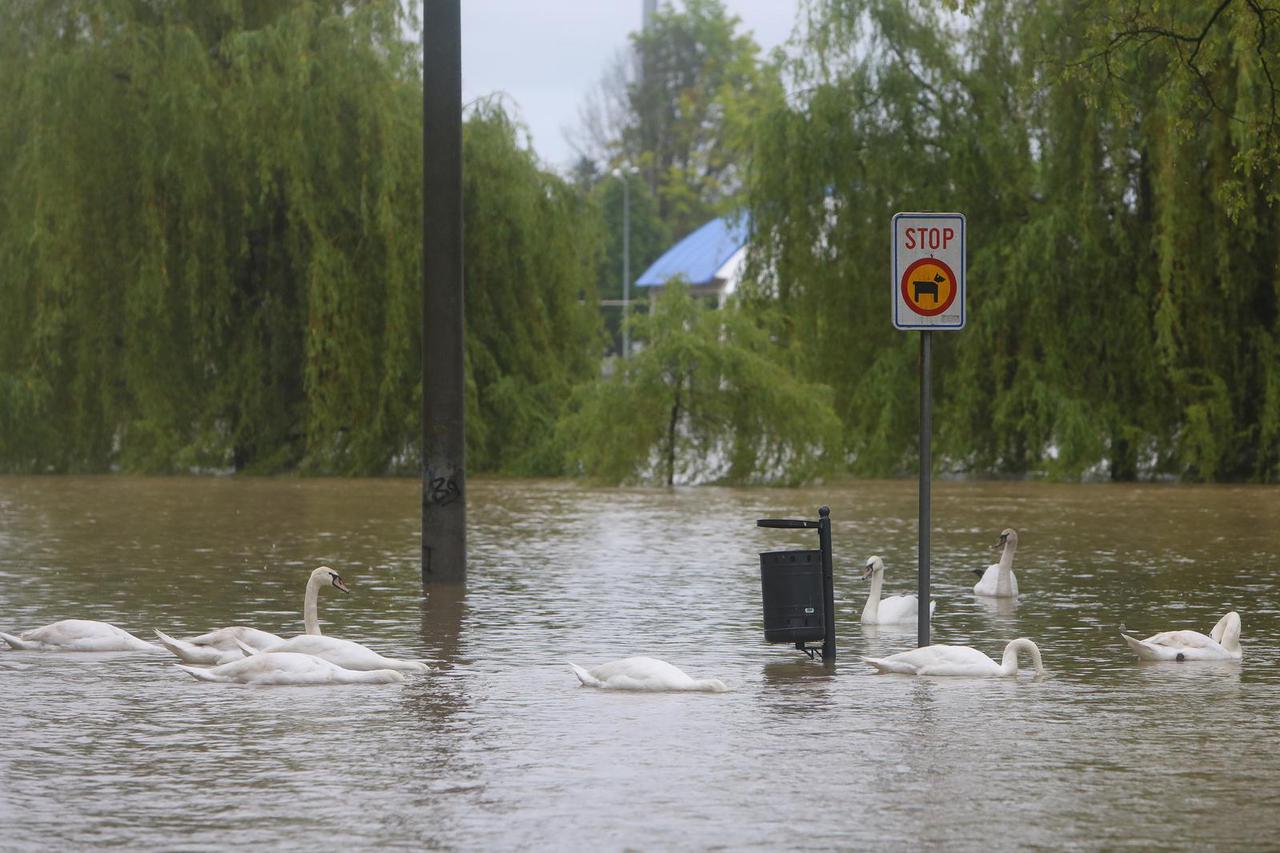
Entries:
{"x":928,"y":287}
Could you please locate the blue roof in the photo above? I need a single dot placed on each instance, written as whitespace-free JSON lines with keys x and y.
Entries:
{"x":698,"y":256}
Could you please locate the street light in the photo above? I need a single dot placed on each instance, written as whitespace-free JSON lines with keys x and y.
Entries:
{"x":625,"y":175}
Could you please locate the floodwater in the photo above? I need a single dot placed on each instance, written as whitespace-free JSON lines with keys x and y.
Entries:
{"x":498,"y":747}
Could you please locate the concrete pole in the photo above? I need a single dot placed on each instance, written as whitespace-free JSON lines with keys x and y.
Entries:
{"x":444,"y":505}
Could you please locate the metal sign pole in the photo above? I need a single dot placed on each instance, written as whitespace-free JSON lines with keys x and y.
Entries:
{"x":928,"y":282}
{"x":828,"y":585}
{"x":926,"y":484}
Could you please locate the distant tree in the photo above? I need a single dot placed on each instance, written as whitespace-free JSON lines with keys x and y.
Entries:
{"x":650,"y":237}
{"x":680,"y":105}
{"x":702,"y":399}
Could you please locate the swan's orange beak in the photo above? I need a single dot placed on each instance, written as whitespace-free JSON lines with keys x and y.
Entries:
{"x":338,"y":583}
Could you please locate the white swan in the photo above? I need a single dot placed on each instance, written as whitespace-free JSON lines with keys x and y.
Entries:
{"x":343,"y":653}
{"x":958,"y":660}
{"x":78,"y":635}
{"x":998,"y":580}
{"x":287,"y":668}
{"x":894,"y":610}
{"x":1223,"y":643}
{"x":641,"y":673}
{"x":223,"y":645}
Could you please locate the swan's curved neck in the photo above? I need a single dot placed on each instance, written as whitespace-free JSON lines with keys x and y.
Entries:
{"x":1227,"y":632}
{"x":310,"y":616}
{"x":1004,"y":576}
{"x":1009,"y":664}
{"x":872,"y":608}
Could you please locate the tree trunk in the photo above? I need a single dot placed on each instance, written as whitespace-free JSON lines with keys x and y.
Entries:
{"x":671,"y":434}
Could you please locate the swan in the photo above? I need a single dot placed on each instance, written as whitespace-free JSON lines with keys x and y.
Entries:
{"x":78,"y":635}
{"x":1223,"y":643}
{"x":998,"y":580}
{"x":287,"y":668}
{"x":893,"y":610}
{"x":223,"y":645}
{"x":958,"y":660}
{"x":641,"y":673}
{"x":343,"y":653}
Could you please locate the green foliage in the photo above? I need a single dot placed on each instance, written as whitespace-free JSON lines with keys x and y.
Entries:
{"x":703,"y":398}
{"x":533,"y":329}
{"x":1123,"y":261}
{"x":210,"y":241}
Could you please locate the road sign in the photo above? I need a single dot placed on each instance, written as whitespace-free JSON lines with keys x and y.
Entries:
{"x":928,"y":271}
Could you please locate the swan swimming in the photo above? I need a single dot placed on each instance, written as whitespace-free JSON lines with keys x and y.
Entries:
{"x":287,"y":668}
{"x":343,"y":653}
{"x":1223,"y":643}
{"x":641,"y":673}
{"x":998,"y":580}
{"x":223,"y":644}
{"x":78,"y":635}
{"x":958,"y":660}
{"x":894,"y":610}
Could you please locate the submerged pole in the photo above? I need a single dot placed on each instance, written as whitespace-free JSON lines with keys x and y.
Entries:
{"x":444,"y":505}
{"x":926,"y":484}
{"x":828,"y":585}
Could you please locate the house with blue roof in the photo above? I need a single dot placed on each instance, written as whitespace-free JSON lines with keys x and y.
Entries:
{"x":710,"y":259}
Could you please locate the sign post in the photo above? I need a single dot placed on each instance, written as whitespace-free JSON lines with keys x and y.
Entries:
{"x":928,"y":295}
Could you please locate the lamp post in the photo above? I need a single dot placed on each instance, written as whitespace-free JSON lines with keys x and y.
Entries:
{"x":625,"y":175}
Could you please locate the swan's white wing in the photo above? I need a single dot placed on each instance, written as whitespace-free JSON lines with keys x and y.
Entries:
{"x":987,"y":586}
{"x":938,"y":660}
{"x":82,"y":635}
{"x":1182,"y":640}
{"x":899,"y":608}
{"x":990,"y":583}
{"x":1178,"y":645}
{"x":345,"y":653}
{"x":281,"y":668}
{"x":226,"y":639}
{"x":644,"y":673}
{"x":189,"y":653}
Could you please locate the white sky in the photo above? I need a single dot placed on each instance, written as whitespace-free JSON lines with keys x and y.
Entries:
{"x":548,"y":54}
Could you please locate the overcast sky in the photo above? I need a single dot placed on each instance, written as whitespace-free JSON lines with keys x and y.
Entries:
{"x":547,"y":54}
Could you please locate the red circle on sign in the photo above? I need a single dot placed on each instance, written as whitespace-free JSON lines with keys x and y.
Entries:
{"x":913,"y":304}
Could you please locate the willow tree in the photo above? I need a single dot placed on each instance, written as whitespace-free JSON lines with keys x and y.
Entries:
{"x":533,"y":326}
{"x":208,"y":252}
{"x":1122,"y":260}
{"x":210,"y":239}
{"x":1200,"y":84}
{"x":704,"y":398}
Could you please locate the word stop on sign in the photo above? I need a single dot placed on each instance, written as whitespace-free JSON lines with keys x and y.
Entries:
{"x":928,"y":271}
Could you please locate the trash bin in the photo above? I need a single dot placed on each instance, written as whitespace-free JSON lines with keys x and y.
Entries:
{"x":798,"y":589}
{"x":791,"y":585}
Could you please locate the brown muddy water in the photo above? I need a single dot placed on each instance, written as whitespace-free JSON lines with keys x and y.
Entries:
{"x":498,"y":747}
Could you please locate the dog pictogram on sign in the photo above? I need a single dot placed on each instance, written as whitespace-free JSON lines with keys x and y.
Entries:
{"x":929,"y":287}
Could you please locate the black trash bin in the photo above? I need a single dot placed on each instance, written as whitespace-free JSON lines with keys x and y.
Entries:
{"x":791,"y":584}
{"x":798,"y":589}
